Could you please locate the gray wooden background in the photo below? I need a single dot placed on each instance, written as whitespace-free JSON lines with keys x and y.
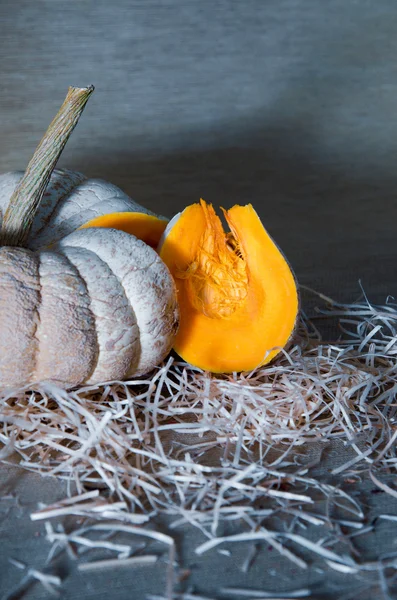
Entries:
{"x":288,"y":104}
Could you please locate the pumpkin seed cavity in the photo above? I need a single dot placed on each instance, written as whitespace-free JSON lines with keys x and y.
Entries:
{"x":217,"y":277}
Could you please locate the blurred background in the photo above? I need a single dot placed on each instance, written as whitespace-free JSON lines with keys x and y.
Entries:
{"x":288,"y":104}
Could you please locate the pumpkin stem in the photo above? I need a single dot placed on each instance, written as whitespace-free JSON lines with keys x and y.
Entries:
{"x":19,"y":216}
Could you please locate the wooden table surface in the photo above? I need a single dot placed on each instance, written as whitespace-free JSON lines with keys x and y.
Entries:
{"x":288,"y":104}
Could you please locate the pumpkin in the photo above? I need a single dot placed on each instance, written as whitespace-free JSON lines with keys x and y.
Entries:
{"x":77,"y":305}
{"x":72,"y":201}
{"x":237,"y":294}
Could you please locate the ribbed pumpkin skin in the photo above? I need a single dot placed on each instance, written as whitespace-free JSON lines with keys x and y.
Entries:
{"x":70,"y":201}
{"x":99,"y":305}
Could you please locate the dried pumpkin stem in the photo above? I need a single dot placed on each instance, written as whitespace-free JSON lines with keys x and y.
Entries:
{"x":19,"y":216}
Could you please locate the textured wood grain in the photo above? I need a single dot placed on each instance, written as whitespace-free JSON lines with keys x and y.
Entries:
{"x":288,"y":104}
{"x":285,"y":104}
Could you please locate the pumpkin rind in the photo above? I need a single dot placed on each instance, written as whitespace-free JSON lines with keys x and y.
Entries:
{"x":70,"y":201}
{"x":117,"y":334}
{"x":100,"y":306}
{"x":67,"y":346}
{"x":147,"y":284}
{"x":94,"y":306}
{"x":19,"y":302}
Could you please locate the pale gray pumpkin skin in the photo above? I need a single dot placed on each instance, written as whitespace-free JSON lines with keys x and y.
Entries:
{"x":100,"y":305}
{"x":70,"y":201}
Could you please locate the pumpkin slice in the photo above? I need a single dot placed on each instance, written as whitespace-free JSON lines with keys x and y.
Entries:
{"x":237,"y":295}
{"x":147,"y":228}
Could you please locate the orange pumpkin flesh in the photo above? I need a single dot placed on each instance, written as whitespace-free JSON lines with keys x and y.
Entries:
{"x":237,"y":295}
{"x":145,"y":227}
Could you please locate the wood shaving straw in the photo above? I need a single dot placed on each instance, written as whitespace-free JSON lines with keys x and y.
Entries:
{"x":208,"y":449}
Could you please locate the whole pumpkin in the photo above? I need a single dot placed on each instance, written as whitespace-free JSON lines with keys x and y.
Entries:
{"x":99,"y":304}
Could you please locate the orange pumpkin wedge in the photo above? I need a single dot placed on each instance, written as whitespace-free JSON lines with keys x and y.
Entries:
{"x":237,"y":295}
{"x":147,"y":228}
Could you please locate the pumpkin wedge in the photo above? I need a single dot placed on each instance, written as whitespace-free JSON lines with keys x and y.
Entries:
{"x":237,"y":295}
{"x":146,"y":227}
